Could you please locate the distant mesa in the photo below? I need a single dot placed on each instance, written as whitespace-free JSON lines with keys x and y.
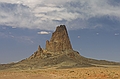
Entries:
{"x":57,"y":53}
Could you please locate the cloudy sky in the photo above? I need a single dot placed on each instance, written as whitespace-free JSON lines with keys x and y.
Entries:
{"x":93,"y":26}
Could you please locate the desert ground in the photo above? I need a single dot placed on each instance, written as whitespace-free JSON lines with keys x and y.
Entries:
{"x":71,"y":73}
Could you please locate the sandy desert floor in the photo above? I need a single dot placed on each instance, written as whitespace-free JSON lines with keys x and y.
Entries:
{"x":73,"y":73}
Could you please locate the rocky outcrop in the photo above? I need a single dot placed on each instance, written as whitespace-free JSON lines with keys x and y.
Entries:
{"x":59,"y":40}
{"x":38,"y":54}
{"x":58,"y":44}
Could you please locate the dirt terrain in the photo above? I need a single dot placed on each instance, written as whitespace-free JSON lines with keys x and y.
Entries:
{"x":72,"y":73}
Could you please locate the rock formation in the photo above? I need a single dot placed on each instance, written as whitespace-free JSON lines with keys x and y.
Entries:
{"x":59,"y":41}
{"x":38,"y":54}
{"x":58,"y":53}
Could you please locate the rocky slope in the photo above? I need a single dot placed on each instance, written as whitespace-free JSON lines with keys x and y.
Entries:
{"x":58,"y":53}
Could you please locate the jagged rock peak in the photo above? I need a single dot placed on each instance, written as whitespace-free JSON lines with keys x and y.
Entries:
{"x":61,"y":28}
{"x":38,"y":54}
{"x":40,"y":49}
{"x":59,"y":40}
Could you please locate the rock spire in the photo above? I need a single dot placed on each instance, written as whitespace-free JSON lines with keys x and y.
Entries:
{"x":58,"y":43}
{"x":59,"y":40}
{"x":38,"y":54}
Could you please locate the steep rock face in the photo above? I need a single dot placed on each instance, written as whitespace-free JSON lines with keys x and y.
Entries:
{"x":59,"y":40}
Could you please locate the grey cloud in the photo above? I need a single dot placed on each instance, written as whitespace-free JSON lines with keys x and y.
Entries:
{"x":114,"y":2}
{"x":45,"y":15}
{"x":15,"y":15}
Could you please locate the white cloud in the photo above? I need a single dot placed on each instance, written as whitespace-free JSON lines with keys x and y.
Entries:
{"x":45,"y":15}
{"x":97,"y":33}
{"x":43,"y":32}
{"x":116,"y":34}
{"x":13,"y":27}
{"x":78,"y":36}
